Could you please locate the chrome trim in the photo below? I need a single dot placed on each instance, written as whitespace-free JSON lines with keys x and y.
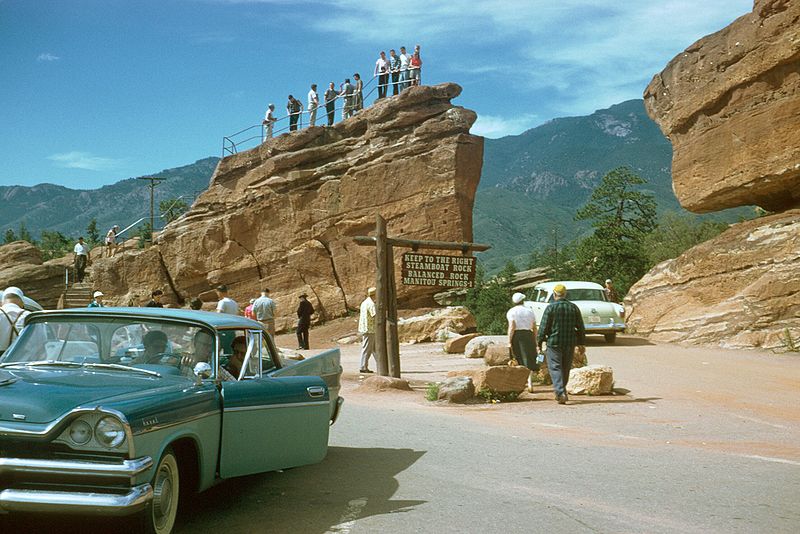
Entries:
{"x":54,"y":428}
{"x":35,"y":501}
{"x":271,"y":406}
{"x":162,"y":426}
{"x":336,"y":410}
{"x":29,"y":466}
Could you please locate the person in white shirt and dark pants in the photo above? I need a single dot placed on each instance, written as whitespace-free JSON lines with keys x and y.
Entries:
{"x":81,"y":251}
{"x":522,"y":335}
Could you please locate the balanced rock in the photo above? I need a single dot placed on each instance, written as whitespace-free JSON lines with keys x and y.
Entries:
{"x":497,"y":354}
{"x":730,"y":104}
{"x":438,"y":325}
{"x":283,"y":215}
{"x":457,"y":344}
{"x":591,"y":380}
{"x":456,"y":389}
{"x":384,"y":383}
{"x":738,"y":290}
{"x":476,"y":347}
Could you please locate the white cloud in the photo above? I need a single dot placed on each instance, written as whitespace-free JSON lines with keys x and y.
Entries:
{"x":85,"y":160}
{"x":47,"y":56}
{"x":493,"y":126}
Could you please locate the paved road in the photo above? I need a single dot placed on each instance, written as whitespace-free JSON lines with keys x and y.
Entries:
{"x":706,"y":441}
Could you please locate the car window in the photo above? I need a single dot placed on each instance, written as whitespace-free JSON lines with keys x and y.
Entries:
{"x":541,"y":295}
{"x":586,"y":294}
{"x":269,"y":358}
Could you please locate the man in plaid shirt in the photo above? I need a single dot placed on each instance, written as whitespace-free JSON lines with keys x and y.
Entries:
{"x":562,"y":328}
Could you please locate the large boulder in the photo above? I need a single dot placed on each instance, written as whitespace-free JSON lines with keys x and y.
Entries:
{"x":457,"y":344}
{"x":739,"y":290}
{"x":456,"y":389}
{"x":476,"y":347}
{"x":384,"y":383}
{"x":437,"y":325}
{"x":498,"y":379}
{"x":22,"y":266}
{"x":283,"y":215}
{"x":730,"y":104}
{"x":591,"y":380}
{"x":497,"y":354}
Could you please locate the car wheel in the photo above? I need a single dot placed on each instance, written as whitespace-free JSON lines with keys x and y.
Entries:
{"x":610,"y":338}
{"x":159,"y":516}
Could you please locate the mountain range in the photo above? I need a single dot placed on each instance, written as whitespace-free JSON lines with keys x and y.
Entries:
{"x":531,"y":185}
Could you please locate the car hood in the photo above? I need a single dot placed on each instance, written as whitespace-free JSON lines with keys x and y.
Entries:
{"x":42,"y":395}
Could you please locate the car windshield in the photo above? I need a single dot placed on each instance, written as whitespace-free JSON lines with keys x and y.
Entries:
{"x":586,"y":294}
{"x":161,"y":346}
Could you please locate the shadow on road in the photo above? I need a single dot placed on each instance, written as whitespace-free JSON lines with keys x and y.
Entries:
{"x":621,"y":341}
{"x":350,"y":483}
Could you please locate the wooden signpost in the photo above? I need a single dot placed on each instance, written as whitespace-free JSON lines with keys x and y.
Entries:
{"x":432,"y":270}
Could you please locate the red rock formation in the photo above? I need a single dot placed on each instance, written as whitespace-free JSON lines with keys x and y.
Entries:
{"x":283,"y":215}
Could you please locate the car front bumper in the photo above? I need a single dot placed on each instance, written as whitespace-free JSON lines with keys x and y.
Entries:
{"x":52,"y":475}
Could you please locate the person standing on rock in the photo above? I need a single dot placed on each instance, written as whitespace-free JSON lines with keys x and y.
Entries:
{"x":264,"y":310}
{"x":404,"y":59}
{"x":347,"y":93}
{"x":12,"y":316}
{"x":81,"y":251}
{"x":313,"y":104}
{"x":97,"y":300}
{"x":366,"y":327}
{"x":111,"y":241}
{"x":415,"y":68}
{"x":562,"y":328}
{"x":269,"y":121}
{"x":358,"y":95}
{"x":304,"y":312}
{"x":294,"y":108}
{"x":226,"y":304}
{"x":522,"y":335}
{"x":382,"y":72}
{"x":394,"y":68}
{"x":330,"y":102}
{"x":155,"y":299}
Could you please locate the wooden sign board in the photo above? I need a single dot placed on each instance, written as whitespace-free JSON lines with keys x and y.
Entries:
{"x":436,"y":270}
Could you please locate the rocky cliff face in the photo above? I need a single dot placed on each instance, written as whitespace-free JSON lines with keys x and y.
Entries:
{"x":731,"y":106}
{"x":22,"y":266}
{"x":283,"y":215}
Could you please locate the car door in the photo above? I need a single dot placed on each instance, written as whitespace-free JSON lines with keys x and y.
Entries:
{"x":271,"y":423}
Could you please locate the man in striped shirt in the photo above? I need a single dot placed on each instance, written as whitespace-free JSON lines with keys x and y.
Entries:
{"x":562,"y":328}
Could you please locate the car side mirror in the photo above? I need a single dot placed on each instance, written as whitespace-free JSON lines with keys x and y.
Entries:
{"x":202,"y":370}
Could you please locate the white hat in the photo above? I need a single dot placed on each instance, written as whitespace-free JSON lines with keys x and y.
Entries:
{"x":516,"y":298}
{"x":12,"y":290}
{"x":97,"y":294}
{"x":608,"y":280}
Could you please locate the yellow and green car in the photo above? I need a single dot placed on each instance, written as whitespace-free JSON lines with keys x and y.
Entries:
{"x":119,"y":411}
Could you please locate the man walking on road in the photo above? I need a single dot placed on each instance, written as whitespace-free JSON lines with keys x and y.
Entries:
{"x":264,"y":310}
{"x":81,"y":258}
{"x":562,"y":327}
{"x":366,"y":327}
{"x":304,"y":312}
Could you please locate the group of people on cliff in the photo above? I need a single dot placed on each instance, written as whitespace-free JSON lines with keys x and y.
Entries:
{"x":404,"y":70}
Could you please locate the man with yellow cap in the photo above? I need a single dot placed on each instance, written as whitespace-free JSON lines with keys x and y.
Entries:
{"x":562,"y":327}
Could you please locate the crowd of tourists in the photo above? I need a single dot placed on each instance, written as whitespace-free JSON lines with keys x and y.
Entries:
{"x":395,"y":71}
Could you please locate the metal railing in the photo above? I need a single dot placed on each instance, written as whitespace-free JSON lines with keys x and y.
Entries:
{"x":233,"y":143}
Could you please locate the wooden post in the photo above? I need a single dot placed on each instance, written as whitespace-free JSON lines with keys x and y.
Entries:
{"x":381,"y":295}
{"x":392,"y":340}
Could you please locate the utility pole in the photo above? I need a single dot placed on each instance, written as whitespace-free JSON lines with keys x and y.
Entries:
{"x":154,"y":181}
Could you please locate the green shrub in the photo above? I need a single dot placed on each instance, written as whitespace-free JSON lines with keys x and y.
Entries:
{"x":493,"y":396}
{"x":432,"y":391}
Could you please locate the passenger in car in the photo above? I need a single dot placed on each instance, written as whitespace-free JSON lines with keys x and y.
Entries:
{"x":239,"y":346}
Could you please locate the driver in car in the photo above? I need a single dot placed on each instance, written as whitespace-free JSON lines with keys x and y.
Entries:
{"x":155,"y":346}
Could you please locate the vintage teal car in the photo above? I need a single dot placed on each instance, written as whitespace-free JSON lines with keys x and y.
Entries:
{"x":119,"y":411}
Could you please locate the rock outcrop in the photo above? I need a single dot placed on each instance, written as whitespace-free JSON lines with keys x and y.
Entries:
{"x":739,"y":290}
{"x":283,"y":215}
{"x":22,"y":266}
{"x":438,"y":325}
{"x":730,"y":104}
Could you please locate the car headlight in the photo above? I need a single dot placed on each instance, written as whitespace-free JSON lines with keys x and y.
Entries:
{"x":109,"y":432}
{"x":80,"y":432}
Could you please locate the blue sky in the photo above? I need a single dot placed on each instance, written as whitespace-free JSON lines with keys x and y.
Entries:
{"x":94,"y":91}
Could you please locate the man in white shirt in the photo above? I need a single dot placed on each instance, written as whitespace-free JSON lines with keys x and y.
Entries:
{"x":313,"y":104}
{"x":226,"y":304}
{"x":12,"y":316}
{"x":269,"y":121}
{"x":404,"y":59}
{"x":81,"y":251}
{"x":382,"y":72}
{"x":264,"y":310}
{"x":366,"y":327}
{"x":522,"y":335}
